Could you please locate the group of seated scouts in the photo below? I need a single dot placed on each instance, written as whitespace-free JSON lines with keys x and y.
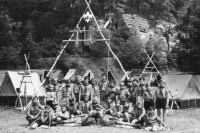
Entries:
{"x":103,"y":103}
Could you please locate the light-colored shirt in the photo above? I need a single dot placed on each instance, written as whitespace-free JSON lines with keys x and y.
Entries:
{"x":50,"y":96}
{"x":67,"y":92}
{"x":77,"y":88}
{"x":96,"y":91}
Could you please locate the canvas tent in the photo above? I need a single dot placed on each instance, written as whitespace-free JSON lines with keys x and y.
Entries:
{"x":57,"y":74}
{"x":13,"y":80}
{"x":89,"y":74}
{"x":186,"y":89}
{"x":111,"y":76}
{"x":71,"y":75}
{"x":2,"y":75}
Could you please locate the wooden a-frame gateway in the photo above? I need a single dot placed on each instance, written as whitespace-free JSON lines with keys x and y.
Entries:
{"x":88,"y":16}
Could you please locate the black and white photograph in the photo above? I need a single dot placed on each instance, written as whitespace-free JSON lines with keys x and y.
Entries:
{"x":99,"y":66}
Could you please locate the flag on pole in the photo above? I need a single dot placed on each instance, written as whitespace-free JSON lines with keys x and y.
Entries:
{"x":107,"y":23}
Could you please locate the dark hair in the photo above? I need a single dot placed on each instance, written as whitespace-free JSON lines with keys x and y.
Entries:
{"x":66,"y":81}
{"x":63,"y":105}
{"x":142,"y":78}
{"x":103,"y":74}
{"x":60,"y":81}
{"x":159,"y":77}
{"x":151,"y":108}
{"x":148,"y":85}
{"x":35,"y":97}
{"x":86,"y":78}
{"x":71,"y":99}
{"x":135,"y":79}
{"x":113,"y":81}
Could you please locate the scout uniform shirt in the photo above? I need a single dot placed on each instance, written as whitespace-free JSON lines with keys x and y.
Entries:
{"x":112,"y":92}
{"x":133,"y":91}
{"x":67,"y":93}
{"x":76,"y":89}
{"x":86,"y":90}
{"x":103,"y":86}
{"x":96,"y":92}
{"x":50,"y":96}
{"x":140,"y":93}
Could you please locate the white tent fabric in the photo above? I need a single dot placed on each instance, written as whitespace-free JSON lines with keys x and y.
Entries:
{"x":187,"y":86}
{"x":88,"y":73}
{"x":13,"y":80}
{"x":70,"y":74}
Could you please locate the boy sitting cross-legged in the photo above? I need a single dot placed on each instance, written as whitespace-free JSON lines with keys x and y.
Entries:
{"x":72,"y":108}
{"x":153,"y":120}
{"x":63,"y":114}
{"x":96,"y":112}
{"x":139,"y":116}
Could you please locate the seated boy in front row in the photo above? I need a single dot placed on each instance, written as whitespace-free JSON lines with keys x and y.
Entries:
{"x":85,"y":106}
{"x":63,"y":115}
{"x":153,"y":120}
{"x":128,"y":113}
{"x":72,"y":108}
{"x":96,"y":112}
{"x":117,"y":110}
{"x":139,"y":114}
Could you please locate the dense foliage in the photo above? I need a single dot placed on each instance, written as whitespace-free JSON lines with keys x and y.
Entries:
{"x":188,"y":50}
{"x":37,"y":28}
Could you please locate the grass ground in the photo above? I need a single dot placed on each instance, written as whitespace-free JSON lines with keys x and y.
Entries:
{"x":184,"y":121}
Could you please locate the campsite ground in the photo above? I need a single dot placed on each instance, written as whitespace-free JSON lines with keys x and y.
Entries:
{"x":185,"y":121}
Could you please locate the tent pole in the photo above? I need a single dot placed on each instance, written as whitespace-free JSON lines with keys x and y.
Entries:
{"x":25,"y":95}
{"x":88,"y":5}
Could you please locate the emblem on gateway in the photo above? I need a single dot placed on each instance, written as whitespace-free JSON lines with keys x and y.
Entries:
{"x":87,"y":16}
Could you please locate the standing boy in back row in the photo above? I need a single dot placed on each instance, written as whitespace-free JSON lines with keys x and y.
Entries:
{"x":161,"y":99}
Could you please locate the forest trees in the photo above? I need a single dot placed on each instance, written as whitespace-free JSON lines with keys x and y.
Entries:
{"x":39,"y":26}
{"x":188,"y":55}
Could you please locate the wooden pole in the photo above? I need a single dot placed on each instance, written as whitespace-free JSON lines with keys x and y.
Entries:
{"x":58,"y":57}
{"x":106,"y":41}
